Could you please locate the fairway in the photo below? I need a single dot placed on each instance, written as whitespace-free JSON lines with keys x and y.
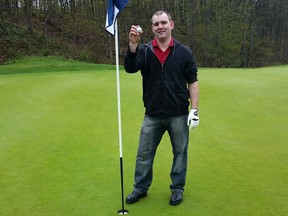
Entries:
{"x":59,"y":151}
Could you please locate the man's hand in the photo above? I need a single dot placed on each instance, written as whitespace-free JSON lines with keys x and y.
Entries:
{"x":193,"y":118}
{"x":134,"y":38}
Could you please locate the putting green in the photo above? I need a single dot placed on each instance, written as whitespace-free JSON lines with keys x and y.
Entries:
{"x":59,"y":142}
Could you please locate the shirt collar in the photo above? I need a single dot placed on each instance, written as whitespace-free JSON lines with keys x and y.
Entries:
{"x":155,"y":43}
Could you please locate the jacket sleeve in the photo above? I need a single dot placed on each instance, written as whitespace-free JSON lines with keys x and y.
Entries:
{"x":133,"y":62}
{"x":191,"y":69}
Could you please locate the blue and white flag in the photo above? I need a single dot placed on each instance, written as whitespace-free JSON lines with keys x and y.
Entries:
{"x":114,"y":7}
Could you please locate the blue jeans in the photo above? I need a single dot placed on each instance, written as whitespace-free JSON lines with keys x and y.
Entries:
{"x":151,"y":134}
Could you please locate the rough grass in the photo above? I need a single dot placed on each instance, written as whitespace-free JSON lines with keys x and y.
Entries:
{"x":59,"y":142}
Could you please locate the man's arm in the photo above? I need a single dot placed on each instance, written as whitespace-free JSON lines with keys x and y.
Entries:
{"x":194,"y":94}
{"x":193,"y":118}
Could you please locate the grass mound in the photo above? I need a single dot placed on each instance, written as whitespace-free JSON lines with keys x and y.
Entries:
{"x":50,"y":64}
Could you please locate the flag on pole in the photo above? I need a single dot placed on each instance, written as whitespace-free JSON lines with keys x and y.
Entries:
{"x":114,"y":7}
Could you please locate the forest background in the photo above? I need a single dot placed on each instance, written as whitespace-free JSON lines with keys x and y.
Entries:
{"x":223,"y":33}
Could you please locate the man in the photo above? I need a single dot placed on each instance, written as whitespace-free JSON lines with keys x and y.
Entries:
{"x":169,"y":78}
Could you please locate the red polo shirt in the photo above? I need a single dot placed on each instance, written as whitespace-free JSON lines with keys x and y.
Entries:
{"x":162,"y":55}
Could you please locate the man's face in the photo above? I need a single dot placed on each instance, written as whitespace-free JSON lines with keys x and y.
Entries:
{"x":162,"y":27}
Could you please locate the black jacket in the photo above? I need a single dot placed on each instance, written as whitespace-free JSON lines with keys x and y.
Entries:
{"x":164,"y":86}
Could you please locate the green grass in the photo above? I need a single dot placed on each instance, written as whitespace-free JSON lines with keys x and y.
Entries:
{"x":59,"y":142}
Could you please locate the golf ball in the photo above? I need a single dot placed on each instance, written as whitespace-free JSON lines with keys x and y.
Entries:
{"x":139,"y":29}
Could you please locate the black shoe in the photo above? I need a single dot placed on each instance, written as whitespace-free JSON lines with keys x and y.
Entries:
{"x":135,"y":196}
{"x":176,"y":197}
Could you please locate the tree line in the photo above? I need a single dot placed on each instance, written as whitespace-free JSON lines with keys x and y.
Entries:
{"x":223,"y":33}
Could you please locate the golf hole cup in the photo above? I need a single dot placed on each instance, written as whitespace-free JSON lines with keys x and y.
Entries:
{"x":139,"y":29}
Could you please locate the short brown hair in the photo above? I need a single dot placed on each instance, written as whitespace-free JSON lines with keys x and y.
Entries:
{"x":160,"y":12}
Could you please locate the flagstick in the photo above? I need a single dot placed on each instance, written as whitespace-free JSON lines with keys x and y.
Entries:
{"x":121,"y":211}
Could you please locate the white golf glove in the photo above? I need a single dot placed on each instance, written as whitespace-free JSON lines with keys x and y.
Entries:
{"x":193,"y":118}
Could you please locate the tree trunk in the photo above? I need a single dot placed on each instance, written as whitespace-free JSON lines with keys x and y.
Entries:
{"x":28,"y":12}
